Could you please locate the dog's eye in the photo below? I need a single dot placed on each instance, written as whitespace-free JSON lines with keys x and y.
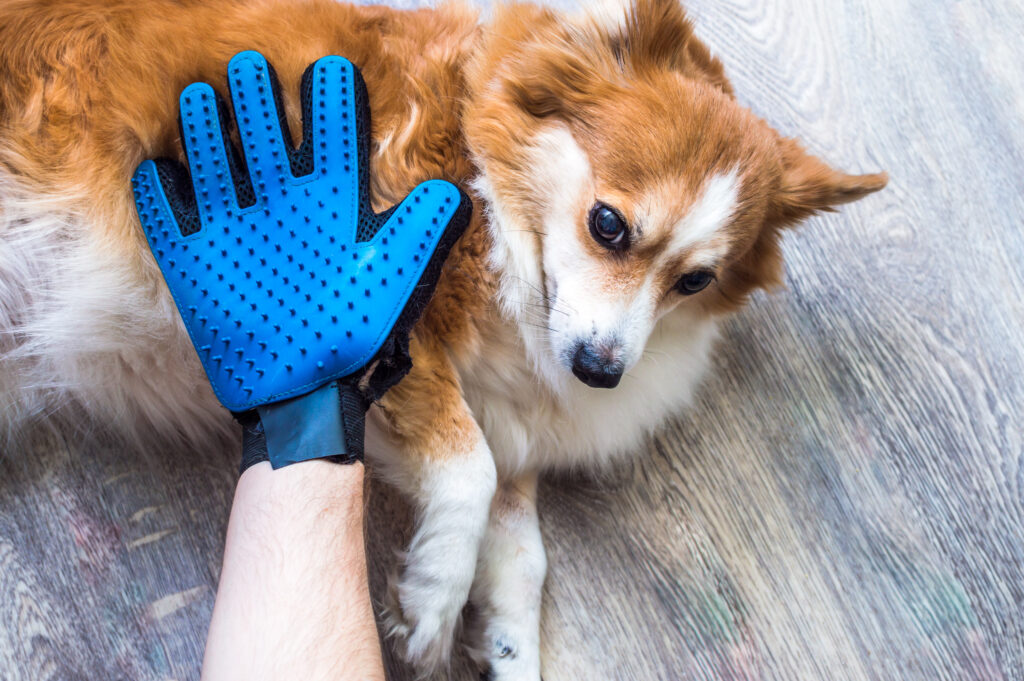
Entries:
{"x":694,"y":282}
{"x":608,"y":228}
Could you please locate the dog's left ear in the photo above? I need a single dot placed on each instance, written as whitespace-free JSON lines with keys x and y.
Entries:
{"x":809,"y":185}
{"x":658,"y":34}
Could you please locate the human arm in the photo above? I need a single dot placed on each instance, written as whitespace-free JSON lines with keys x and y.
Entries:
{"x":293,"y":601}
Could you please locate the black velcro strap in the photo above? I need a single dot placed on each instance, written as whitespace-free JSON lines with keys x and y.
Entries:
{"x":353,"y":421}
{"x":254,"y":440}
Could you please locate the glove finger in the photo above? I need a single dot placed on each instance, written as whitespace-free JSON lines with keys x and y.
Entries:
{"x":165,"y":205}
{"x":162,"y":205}
{"x":204,"y":127}
{"x":412,"y":229}
{"x":415,"y":241}
{"x":262,"y":129}
{"x":336,"y":111}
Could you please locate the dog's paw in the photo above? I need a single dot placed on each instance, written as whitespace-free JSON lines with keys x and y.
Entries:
{"x":422,"y":616}
{"x":503,"y":651}
{"x":501,"y":657}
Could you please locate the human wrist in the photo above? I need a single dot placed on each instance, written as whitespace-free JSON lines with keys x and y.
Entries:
{"x":316,"y":488}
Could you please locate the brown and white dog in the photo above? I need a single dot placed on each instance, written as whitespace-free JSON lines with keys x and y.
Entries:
{"x":624,"y":202}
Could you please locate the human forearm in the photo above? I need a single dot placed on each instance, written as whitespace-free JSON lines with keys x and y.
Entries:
{"x":293,"y":601}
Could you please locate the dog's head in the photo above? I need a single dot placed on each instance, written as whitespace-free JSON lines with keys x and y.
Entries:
{"x":624,"y":180}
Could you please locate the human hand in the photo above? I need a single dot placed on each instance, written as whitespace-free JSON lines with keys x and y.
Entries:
{"x":291,"y":288}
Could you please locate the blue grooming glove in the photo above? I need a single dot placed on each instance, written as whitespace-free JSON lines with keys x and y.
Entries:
{"x":298,"y":298}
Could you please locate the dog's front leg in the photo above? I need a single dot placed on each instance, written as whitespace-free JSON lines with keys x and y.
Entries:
{"x":444,"y":464}
{"x":506,"y":594}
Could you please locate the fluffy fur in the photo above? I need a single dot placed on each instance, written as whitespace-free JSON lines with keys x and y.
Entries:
{"x":539,"y":115}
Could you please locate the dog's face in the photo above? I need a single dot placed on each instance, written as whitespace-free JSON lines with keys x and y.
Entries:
{"x":625,"y":181}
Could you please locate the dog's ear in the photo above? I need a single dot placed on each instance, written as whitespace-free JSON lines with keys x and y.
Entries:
{"x":808,"y":185}
{"x":657,"y":34}
{"x":562,"y":65}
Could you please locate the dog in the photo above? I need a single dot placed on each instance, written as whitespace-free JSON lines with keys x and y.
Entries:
{"x":624,"y":202}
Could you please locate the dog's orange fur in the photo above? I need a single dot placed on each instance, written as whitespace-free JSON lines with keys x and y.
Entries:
{"x":89,"y":88}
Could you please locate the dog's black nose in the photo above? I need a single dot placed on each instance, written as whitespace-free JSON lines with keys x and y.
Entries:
{"x":598,"y":369}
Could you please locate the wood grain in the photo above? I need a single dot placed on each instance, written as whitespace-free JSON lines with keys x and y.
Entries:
{"x":845,"y":500}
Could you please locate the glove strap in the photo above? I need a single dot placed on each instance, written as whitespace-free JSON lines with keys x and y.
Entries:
{"x":254,"y":441}
{"x":327,"y":424}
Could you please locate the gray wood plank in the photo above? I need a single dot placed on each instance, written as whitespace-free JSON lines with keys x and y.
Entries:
{"x":844,"y":501}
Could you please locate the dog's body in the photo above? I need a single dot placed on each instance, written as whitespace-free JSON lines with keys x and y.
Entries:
{"x":572,"y":133}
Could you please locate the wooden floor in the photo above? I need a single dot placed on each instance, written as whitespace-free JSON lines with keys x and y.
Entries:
{"x":845,"y":502}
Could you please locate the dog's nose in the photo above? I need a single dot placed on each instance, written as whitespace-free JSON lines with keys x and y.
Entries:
{"x":597,"y":368}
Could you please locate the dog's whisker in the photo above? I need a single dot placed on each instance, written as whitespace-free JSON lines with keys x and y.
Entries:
{"x":528,"y":231}
{"x":540,"y":326}
{"x":543,"y":306}
{"x":529,"y":285}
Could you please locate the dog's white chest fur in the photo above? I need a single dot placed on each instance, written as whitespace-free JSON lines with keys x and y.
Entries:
{"x":542,"y":417}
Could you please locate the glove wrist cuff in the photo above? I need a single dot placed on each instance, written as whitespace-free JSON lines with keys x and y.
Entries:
{"x":327,"y":423}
